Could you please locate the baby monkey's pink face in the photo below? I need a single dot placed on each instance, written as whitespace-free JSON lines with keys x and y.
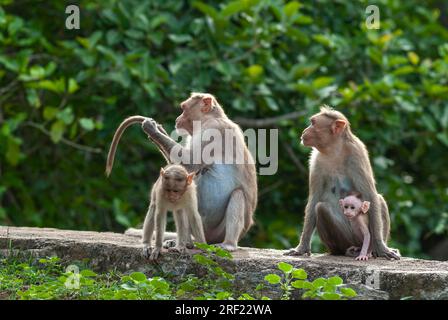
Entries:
{"x":352,"y":206}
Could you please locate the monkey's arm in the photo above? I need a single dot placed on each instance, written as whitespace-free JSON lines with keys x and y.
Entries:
{"x":366,"y":236}
{"x":166,"y":145}
{"x":309,"y":226}
{"x":195,"y":222}
{"x":182,"y":230}
{"x":148,"y":230}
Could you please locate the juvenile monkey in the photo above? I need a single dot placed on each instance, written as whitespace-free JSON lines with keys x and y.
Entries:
{"x":356,"y":211}
{"x":173,"y":191}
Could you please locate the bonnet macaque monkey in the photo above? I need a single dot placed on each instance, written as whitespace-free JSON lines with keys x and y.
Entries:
{"x":339,"y":162}
{"x":227,"y":193}
{"x":356,"y":212}
{"x":173,"y":191}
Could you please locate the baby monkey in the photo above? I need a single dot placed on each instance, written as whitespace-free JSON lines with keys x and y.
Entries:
{"x":173,"y":191}
{"x":356,"y":211}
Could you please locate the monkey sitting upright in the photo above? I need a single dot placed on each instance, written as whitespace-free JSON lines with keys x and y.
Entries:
{"x":173,"y":191}
{"x":356,"y":211}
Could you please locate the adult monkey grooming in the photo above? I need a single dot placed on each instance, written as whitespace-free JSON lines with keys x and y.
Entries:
{"x":227,"y":193}
{"x":339,"y":163}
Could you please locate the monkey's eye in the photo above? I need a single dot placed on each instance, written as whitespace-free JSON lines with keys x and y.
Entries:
{"x":345,"y":207}
{"x":179,"y":179}
{"x":353,"y":208}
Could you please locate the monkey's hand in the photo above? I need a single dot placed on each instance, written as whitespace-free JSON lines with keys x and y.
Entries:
{"x":299,"y":251}
{"x":150,"y":126}
{"x":362,"y":257}
{"x":155,"y":254}
{"x":381,"y":250}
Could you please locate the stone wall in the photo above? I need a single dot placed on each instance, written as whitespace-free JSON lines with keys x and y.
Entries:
{"x":421,"y":279}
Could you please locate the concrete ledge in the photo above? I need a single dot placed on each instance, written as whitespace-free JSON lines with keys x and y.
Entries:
{"x":421,"y":279}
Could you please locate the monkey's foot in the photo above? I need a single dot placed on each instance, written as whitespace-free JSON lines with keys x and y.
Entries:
{"x":388,"y":253}
{"x":179,"y":249}
{"x":298,"y":252}
{"x":147,"y":252}
{"x":227,"y":246}
{"x":155,"y":254}
{"x":169,"y":243}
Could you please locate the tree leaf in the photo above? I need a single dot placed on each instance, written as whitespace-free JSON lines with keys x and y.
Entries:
{"x":57,"y":131}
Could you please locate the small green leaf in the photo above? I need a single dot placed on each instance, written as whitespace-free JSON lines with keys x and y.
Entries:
{"x":33,"y":98}
{"x":255,"y":71}
{"x":322,"y":82}
{"x":291,"y":8}
{"x":87,"y":124}
{"x":272,"y":278}
{"x":335,"y":281}
{"x":72,"y":86}
{"x":298,"y":284}
{"x":66,"y":115}
{"x":50,"y":113}
{"x":13,"y":153}
{"x":88,"y":273}
{"x":413,"y":57}
{"x":299,"y":274}
{"x":138,"y":276}
{"x":319,"y":283}
{"x":348,"y":292}
{"x":285,"y":267}
{"x":57,"y":131}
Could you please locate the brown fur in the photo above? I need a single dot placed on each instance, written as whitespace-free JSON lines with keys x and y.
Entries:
{"x":339,"y":162}
{"x":204,"y":107}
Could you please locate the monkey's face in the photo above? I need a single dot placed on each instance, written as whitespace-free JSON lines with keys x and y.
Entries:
{"x":175,"y":182}
{"x":322,"y":132}
{"x":351,"y":206}
{"x":318,"y":134}
{"x":193,"y":109}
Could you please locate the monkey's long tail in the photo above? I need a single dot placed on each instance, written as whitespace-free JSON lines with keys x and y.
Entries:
{"x":118,"y":133}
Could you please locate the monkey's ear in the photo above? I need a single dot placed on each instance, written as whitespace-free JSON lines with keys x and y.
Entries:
{"x":365,"y":206}
{"x":341,"y":204}
{"x":338,"y":126}
{"x":162,"y":172}
{"x":207,"y":104}
{"x":190,"y":178}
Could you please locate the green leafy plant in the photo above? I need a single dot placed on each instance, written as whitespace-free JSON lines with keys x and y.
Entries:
{"x":321,"y":288}
{"x":47,"y":278}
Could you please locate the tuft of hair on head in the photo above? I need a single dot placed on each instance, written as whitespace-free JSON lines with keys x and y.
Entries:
{"x":332,"y":113}
{"x":176,"y":167}
{"x":355,"y":194}
{"x":336,"y":115}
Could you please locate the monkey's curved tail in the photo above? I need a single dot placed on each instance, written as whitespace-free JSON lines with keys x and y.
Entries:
{"x":118,"y":133}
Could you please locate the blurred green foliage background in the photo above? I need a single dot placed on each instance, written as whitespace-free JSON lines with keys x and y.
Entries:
{"x":63,"y":93}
